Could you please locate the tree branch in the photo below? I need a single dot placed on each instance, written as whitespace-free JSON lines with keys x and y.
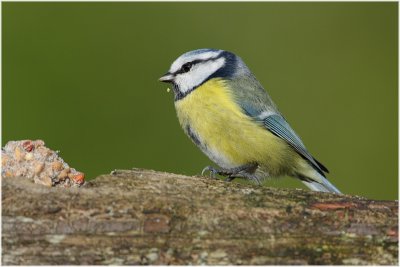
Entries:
{"x":148,"y":217}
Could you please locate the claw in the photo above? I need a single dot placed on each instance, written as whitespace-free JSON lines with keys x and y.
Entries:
{"x":212,"y":171}
{"x":207,"y":168}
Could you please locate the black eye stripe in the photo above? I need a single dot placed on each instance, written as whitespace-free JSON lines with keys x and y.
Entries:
{"x":194,"y":62}
{"x":187,"y":66}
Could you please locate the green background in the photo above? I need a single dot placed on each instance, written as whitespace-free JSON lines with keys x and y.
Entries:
{"x":83,"y":77}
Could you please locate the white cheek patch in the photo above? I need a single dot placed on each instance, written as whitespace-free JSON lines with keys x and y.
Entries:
{"x":198,"y":74}
{"x":191,"y":57}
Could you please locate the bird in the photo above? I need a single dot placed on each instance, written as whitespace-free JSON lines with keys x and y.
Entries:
{"x":227,"y":113}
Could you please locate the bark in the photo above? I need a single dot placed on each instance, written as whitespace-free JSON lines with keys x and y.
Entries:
{"x":148,"y":217}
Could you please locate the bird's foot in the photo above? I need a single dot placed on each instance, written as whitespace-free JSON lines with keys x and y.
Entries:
{"x":223,"y":172}
{"x":243,"y":171}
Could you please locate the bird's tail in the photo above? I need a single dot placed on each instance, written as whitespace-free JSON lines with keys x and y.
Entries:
{"x":321,"y":184}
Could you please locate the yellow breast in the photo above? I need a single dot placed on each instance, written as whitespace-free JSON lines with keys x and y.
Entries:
{"x":227,"y":135}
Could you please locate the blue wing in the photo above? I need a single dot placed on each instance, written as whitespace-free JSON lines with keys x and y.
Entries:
{"x":257,"y":104}
{"x":278,"y":126}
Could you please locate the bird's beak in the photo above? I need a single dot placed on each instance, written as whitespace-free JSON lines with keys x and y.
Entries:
{"x":167,"y":78}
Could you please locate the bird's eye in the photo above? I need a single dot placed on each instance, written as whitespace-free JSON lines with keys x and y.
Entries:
{"x":186,"y":67}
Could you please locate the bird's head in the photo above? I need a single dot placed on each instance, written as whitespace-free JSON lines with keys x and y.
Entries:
{"x":194,"y":68}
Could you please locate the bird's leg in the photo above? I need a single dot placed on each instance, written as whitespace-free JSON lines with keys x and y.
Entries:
{"x":243,"y":171}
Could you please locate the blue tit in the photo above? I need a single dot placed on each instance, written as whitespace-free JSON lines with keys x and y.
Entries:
{"x":226,"y":112}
